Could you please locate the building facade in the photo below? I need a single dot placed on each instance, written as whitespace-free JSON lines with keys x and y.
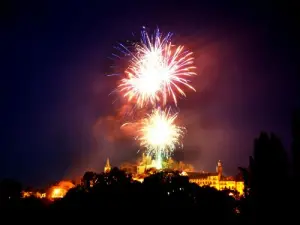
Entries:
{"x":145,"y":164}
{"x":217,"y":180}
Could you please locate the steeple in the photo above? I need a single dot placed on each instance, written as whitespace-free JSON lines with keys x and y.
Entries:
{"x":219,"y":169}
{"x":107,"y":167}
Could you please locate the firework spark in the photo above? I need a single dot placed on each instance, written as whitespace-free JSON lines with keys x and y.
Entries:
{"x":159,"y":135}
{"x":158,"y":70}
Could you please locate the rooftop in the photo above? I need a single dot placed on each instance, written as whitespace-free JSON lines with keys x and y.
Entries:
{"x":200,"y":175}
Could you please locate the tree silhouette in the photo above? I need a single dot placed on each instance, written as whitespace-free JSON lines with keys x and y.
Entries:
{"x":269,"y":157}
{"x":268,"y":168}
{"x":245,"y":172}
{"x":89,"y":179}
{"x":117,"y":176}
{"x":10,"y":192}
{"x":296,"y":144}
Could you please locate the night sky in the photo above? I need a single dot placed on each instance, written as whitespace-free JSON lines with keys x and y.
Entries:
{"x":58,"y":120}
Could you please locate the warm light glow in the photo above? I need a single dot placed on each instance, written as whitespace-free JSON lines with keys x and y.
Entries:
{"x":157,"y":71}
{"x":58,"y":193}
{"x":61,"y":189}
{"x":27,"y":194}
{"x":183,"y":173}
{"x":159,"y":135}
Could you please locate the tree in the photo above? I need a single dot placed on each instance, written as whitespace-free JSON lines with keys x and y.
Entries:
{"x":89,"y":179}
{"x":269,"y":156}
{"x":246,"y":177}
{"x":268,"y":164}
{"x":296,"y":144}
{"x":10,"y":191}
{"x":117,"y":176}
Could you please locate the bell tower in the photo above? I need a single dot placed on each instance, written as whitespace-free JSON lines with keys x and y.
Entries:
{"x":107,"y":167}
{"x":219,"y":169}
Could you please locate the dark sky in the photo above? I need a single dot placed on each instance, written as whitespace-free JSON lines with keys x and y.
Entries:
{"x":57,"y":119}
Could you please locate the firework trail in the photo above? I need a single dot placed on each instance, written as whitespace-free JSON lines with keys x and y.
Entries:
{"x":160,"y":135}
{"x":157,"y":70}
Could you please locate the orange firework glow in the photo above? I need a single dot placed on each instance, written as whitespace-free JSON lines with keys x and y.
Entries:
{"x":61,"y":189}
{"x":157,"y":71}
{"x":58,"y":192}
{"x":159,"y":135}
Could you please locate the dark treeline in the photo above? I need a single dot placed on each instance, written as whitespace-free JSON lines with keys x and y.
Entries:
{"x":270,"y":189}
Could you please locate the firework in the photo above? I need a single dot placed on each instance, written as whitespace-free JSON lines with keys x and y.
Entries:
{"x":159,"y":135}
{"x":157,"y":71}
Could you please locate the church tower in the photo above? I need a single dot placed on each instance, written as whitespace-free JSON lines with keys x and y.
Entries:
{"x":219,"y":169}
{"x":107,"y":167}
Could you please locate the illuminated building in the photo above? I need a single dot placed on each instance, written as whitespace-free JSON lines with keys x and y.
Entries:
{"x":58,"y":192}
{"x":107,"y":167}
{"x":217,"y":180}
{"x":27,"y":194}
{"x":145,"y":164}
{"x":41,"y":195}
